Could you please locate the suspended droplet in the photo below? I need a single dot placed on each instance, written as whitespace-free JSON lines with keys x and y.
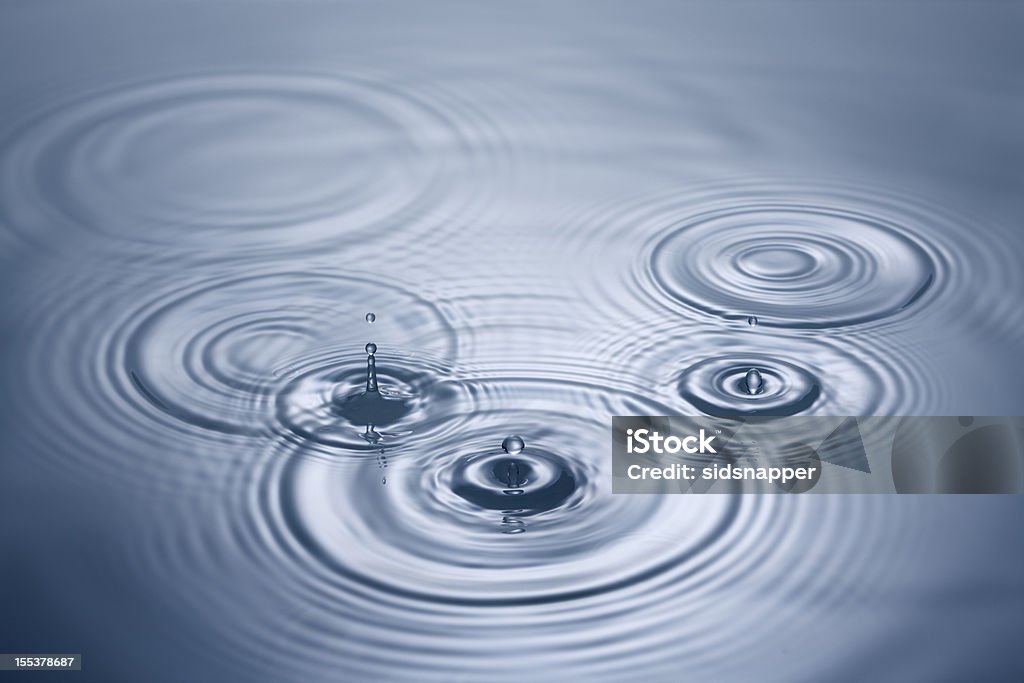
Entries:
{"x":371,"y":348}
{"x":753,"y":381}
{"x":752,"y":321}
{"x":513,"y":444}
{"x":370,"y":317}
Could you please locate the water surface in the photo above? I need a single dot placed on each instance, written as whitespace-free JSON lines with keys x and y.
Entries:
{"x":555,"y":213}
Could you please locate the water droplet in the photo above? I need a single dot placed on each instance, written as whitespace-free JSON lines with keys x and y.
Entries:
{"x":370,"y":317}
{"x":371,"y":348}
{"x":513,"y":444}
{"x":754,"y":382}
{"x":752,"y":321}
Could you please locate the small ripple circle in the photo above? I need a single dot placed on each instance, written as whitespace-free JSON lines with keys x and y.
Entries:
{"x":794,"y":265}
{"x":749,"y":385}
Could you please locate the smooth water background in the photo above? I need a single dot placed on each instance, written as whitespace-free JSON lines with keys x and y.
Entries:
{"x":558,"y":212}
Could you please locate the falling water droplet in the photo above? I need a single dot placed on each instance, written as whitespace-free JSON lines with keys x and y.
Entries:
{"x":752,"y":321}
{"x":371,"y":348}
{"x":753,"y":381}
{"x":370,"y":317}
{"x":513,"y":444}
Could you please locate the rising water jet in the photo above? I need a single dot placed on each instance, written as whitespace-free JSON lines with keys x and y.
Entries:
{"x":370,"y":406}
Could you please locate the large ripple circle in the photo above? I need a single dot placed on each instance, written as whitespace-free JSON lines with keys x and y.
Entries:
{"x":236,"y":156}
{"x":226,"y":353}
{"x":799,"y":266}
{"x":458,"y":521}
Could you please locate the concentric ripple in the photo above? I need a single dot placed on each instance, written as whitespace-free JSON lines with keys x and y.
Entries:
{"x":215,"y":354}
{"x":519,"y":485}
{"x":194,"y":226}
{"x":323,"y":401}
{"x":703,"y":368}
{"x":449,"y":502}
{"x":790,"y":253}
{"x":245,"y":157}
{"x":181,"y":364}
{"x":720,"y":386}
{"x":423,"y":555}
{"x":793,"y":265}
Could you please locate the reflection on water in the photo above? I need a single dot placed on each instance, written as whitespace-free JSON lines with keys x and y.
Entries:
{"x":313,"y":329}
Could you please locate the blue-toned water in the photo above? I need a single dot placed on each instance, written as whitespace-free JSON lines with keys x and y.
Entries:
{"x":541,"y":215}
